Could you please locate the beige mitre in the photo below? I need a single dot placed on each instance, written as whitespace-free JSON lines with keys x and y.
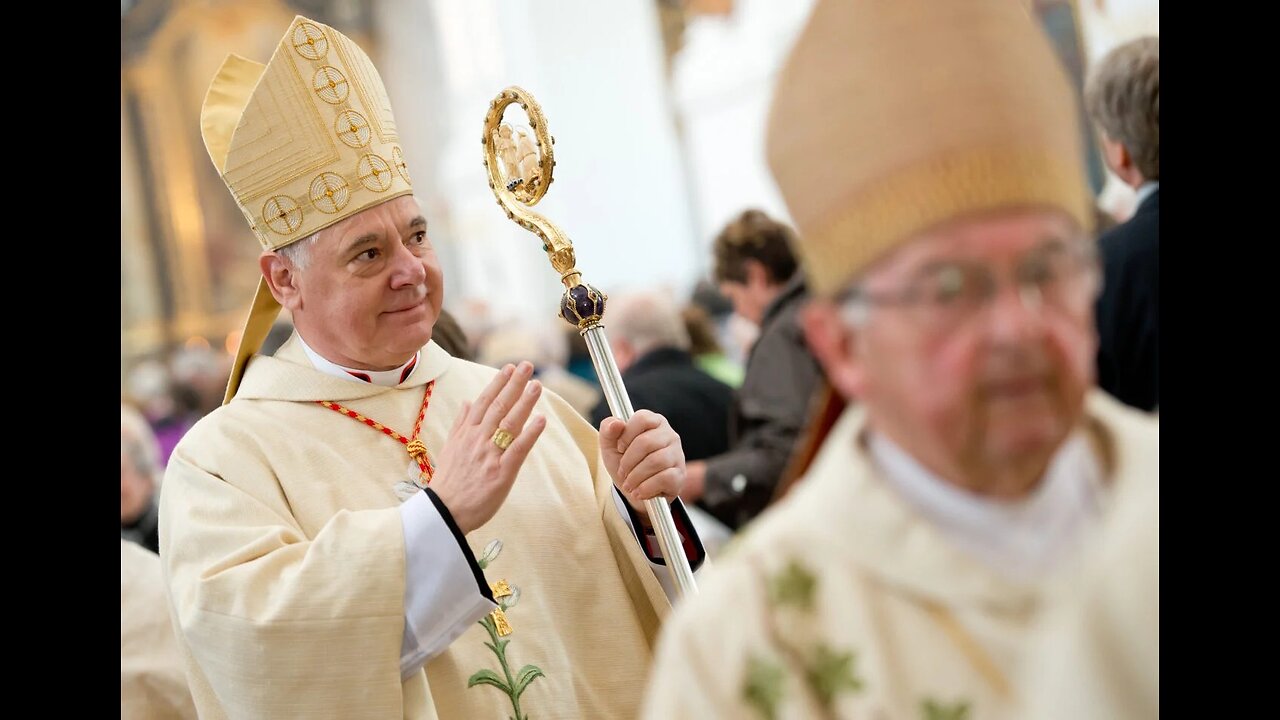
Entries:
{"x":302,"y":142}
{"x":894,"y":116}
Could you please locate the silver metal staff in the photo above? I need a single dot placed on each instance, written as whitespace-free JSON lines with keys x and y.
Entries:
{"x":519,"y":170}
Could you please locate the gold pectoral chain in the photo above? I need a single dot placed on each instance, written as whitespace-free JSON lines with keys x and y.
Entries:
{"x":415,"y":447}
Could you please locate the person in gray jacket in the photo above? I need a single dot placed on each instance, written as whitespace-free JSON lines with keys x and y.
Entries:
{"x":757,"y":270}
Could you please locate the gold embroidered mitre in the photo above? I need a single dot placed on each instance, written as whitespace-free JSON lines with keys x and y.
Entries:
{"x":306,"y":140}
{"x":302,"y":142}
{"x":893,"y":116}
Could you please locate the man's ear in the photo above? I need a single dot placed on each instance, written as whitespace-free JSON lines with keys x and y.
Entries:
{"x":1118,"y":159}
{"x":835,"y":344}
{"x":282,"y":277}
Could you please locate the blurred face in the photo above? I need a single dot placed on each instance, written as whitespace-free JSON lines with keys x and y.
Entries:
{"x":135,"y":489}
{"x":972,"y":347}
{"x":750,"y":298}
{"x":371,"y":291}
{"x":624,"y":353}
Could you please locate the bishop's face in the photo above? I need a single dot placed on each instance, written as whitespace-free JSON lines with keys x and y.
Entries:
{"x":973,"y":346}
{"x":371,"y":290}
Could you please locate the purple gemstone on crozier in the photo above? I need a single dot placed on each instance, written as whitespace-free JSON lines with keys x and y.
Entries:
{"x":582,"y":300}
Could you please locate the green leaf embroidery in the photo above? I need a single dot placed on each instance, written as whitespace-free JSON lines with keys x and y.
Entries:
{"x":933,"y":710}
{"x":832,"y":672}
{"x":793,"y":586}
{"x":512,"y":687}
{"x":488,"y":677}
{"x":763,"y":687}
{"x":526,"y":676}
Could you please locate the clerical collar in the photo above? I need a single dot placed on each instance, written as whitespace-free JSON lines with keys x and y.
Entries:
{"x":386,"y":378}
{"x":1023,"y":539}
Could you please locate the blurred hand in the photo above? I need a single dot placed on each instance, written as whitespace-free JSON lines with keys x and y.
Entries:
{"x":644,"y":457}
{"x":473,"y":475}
{"x":695,"y":481}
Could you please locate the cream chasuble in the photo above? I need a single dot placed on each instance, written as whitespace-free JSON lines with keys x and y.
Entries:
{"x":284,"y":553}
{"x":842,"y":601}
{"x":1097,"y":653}
{"x":152,"y":684}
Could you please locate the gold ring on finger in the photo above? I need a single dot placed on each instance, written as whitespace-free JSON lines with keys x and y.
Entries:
{"x":502,"y":438}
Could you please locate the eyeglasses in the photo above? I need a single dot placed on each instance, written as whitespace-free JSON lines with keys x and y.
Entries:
{"x":1058,"y":276}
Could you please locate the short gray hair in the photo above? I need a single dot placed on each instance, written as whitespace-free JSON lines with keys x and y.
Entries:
{"x":299,"y":253}
{"x":646,"y":320}
{"x":1123,"y":98}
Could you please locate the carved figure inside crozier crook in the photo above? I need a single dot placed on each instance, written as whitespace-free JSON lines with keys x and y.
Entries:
{"x":527,"y":160}
{"x":505,"y":145}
